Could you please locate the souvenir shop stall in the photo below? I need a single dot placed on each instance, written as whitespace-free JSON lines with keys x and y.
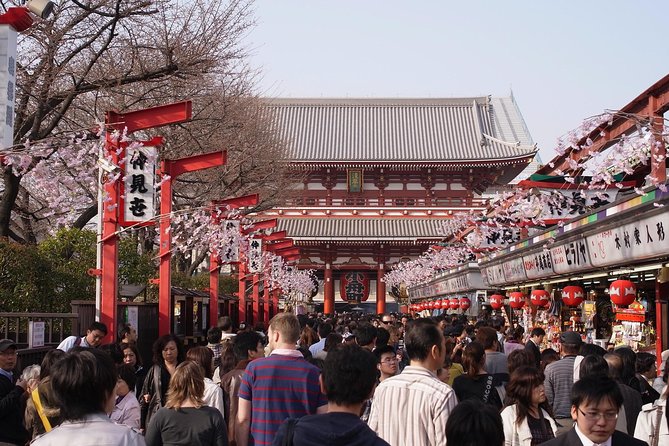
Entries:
{"x":456,"y":291}
{"x":604,"y":275}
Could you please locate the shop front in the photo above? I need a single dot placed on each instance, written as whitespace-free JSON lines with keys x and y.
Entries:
{"x":605,"y":273}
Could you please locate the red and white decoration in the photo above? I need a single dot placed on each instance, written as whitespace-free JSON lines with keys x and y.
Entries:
{"x":572,"y":295}
{"x":465,"y":303}
{"x":496,"y":301}
{"x":516,"y":300}
{"x":454,"y":303}
{"x":540,"y":298}
{"x":622,"y":292}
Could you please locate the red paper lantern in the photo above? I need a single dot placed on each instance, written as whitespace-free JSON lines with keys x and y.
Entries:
{"x":354,"y":286}
{"x":454,"y":303}
{"x":444,"y":304}
{"x":496,"y":301}
{"x":539,"y":298}
{"x":572,"y":295}
{"x":516,"y":300}
{"x":622,"y":292}
{"x":465,"y":303}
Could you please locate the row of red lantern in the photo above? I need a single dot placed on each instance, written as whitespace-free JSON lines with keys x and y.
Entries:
{"x":622,"y":293}
{"x":454,"y":303}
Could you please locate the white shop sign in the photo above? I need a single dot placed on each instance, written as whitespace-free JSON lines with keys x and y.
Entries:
{"x":571,"y":257}
{"x":641,"y":239}
{"x":514,"y":270}
{"x":494,"y":274}
{"x":538,"y":265}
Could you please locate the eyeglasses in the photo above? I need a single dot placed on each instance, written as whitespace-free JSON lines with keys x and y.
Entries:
{"x":595,"y":416}
{"x":386,"y":322}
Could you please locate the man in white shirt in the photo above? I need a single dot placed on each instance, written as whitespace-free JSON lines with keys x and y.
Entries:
{"x":94,"y":336}
{"x":412,"y":408}
{"x":323,"y":331}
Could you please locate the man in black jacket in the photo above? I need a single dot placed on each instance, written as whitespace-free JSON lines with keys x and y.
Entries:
{"x":13,"y":397}
{"x":595,"y":403}
{"x":532,"y":345}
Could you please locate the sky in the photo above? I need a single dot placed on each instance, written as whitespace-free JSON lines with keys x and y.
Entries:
{"x":563,"y":60}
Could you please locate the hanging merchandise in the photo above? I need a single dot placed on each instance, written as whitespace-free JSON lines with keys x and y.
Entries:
{"x":465,"y":303}
{"x":516,"y":300}
{"x":540,"y":298}
{"x":496,"y":301}
{"x":622,"y":292}
{"x":572,"y":295}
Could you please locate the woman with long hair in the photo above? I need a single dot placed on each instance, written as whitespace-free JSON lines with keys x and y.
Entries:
{"x":213,"y":394}
{"x":185,"y":420}
{"x":652,"y":425}
{"x":476,"y":383}
{"x":168,"y":353}
{"x":132,"y":358}
{"x":528,"y":420}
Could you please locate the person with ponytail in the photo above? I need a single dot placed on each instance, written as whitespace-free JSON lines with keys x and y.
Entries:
{"x":476,"y":383}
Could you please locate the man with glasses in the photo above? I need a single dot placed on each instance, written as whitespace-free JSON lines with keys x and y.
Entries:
{"x":13,"y":398}
{"x":595,"y":402}
{"x":387,"y":362}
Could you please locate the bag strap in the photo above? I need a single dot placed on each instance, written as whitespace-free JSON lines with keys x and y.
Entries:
{"x":290,"y":432}
{"x":40,"y":410}
{"x":488,"y":388}
{"x":655,"y":436}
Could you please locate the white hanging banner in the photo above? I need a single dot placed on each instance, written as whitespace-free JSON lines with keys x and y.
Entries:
{"x":7,"y":84}
{"x":255,"y":255}
{"x":139,"y":185}
{"x":230,"y":252}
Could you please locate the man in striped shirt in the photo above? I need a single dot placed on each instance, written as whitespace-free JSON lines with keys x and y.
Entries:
{"x":560,"y":378}
{"x":282,"y":385}
{"x":412,"y":408}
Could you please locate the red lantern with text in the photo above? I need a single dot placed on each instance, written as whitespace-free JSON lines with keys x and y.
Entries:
{"x":465,"y":303}
{"x":354,"y":286}
{"x":539,"y":298}
{"x":443,"y":304}
{"x":516,"y":300}
{"x":496,"y":301}
{"x":622,"y":292}
{"x":572,"y":295}
{"x":454,"y":303}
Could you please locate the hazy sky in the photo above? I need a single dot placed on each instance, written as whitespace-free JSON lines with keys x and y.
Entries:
{"x":564,"y":60}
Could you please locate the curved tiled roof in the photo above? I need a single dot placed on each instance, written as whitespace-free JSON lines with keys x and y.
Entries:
{"x":357,"y":229}
{"x":441,"y":130}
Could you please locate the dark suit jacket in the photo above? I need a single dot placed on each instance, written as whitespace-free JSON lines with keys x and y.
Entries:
{"x":532,"y":348}
{"x":570,"y":438}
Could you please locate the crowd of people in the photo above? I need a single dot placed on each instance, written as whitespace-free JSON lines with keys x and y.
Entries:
{"x":352,"y":379}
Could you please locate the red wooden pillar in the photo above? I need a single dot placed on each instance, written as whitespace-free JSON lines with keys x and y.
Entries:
{"x":242,"y":289}
{"x":275,"y":302}
{"x":328,"y":290}
{"x":266,"y":301}
{"x":109,"y":258}
{"x":213,"y":289}
{"x":658,"y":151}
{"x":165,"y":253}
{"x":380,"y":290}
{"x":256,"y":298}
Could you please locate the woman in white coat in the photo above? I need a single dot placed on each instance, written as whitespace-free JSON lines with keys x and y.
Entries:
{"x":528,"y":420}
{"x":652,"y":426}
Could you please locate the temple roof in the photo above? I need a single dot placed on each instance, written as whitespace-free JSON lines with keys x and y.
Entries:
{"x":402,"y":130}
{"x":360,"y":229}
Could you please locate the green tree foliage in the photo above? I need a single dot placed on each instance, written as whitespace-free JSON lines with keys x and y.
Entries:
{"x":47,"y":277}
{"x":26,"y":279}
